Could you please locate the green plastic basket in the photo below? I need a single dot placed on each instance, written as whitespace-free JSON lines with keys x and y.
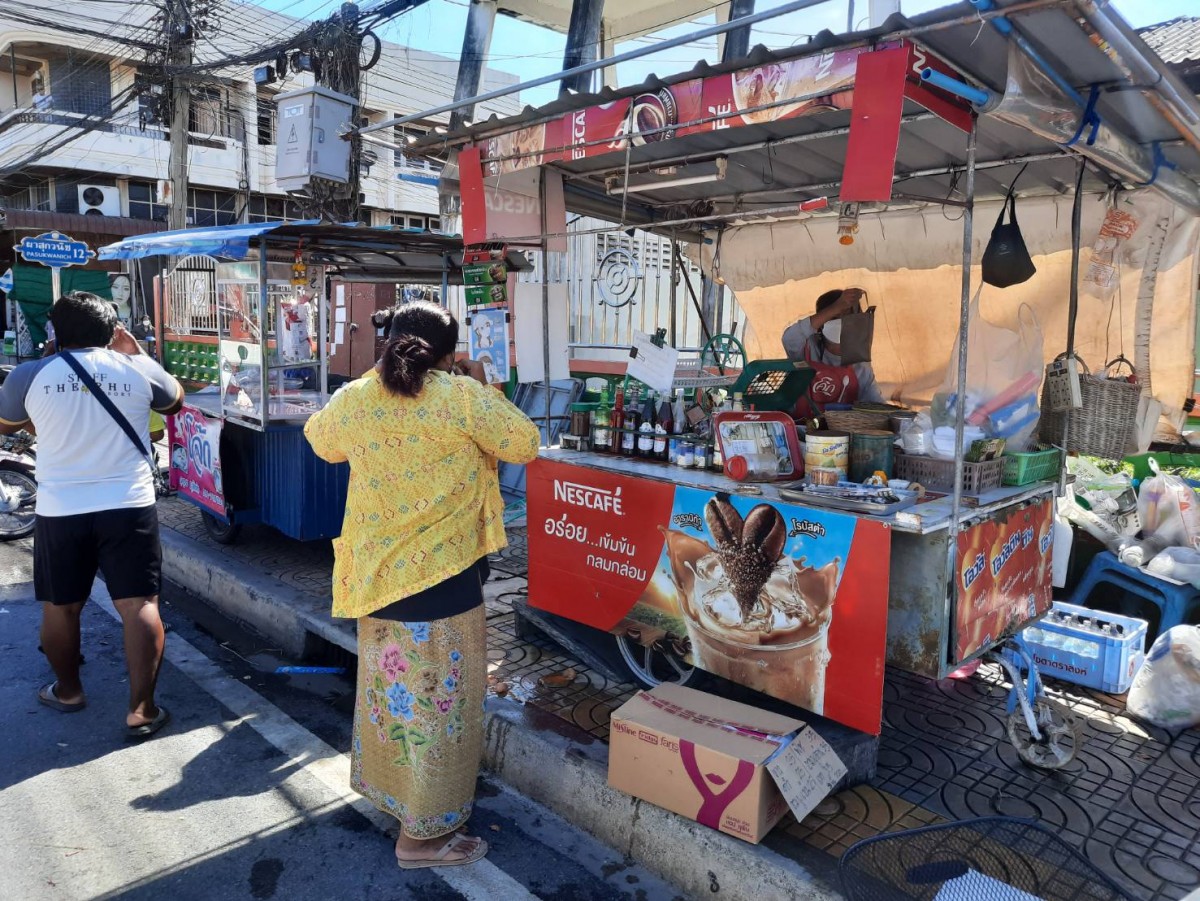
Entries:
{"x":1035,"y":466}
{"x":773,"y":384}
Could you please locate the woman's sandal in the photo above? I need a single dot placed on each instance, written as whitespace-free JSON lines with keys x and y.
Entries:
{"x":454,"y":843}
{"x":47,"y":696}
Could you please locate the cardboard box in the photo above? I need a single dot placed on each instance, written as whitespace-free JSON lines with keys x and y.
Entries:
{"x":727,"y":765}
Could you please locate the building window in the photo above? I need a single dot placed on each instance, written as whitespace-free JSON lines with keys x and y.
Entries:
{"x":266,"y":119}
{"x":272,"y":209}
{"x":416,"y":221}
{"x":142,"y":205}
{"x":206,"y":113}
{"x":405,"y":161}
{"x":35,"y":197}
{"x":209,"y":208}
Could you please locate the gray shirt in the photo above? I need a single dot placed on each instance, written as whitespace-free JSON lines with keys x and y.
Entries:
{"x":801,"y":335}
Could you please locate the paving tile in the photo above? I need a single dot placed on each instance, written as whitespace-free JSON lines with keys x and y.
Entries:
{"x":1130,"y":800}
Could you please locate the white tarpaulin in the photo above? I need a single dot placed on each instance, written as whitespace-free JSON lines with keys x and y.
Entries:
{"x":908,"y":264}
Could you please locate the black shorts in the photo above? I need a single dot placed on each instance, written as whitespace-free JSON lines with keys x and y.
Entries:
{"x":122,"y":544}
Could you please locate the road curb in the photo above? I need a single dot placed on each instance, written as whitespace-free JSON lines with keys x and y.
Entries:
{"x":534,"y":752}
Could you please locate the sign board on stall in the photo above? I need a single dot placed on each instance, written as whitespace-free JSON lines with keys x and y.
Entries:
{"x":485,"y":275}
{"x":712,"y":760}
{"x":1003,"y":576}
{"x":195,"y":441}
{"x":651,"y":364}
{"x":645,"y":558}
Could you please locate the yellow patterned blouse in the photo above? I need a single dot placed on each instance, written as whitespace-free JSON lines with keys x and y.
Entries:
{"x":424,"y":501}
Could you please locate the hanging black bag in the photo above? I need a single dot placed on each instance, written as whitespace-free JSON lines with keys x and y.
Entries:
{"x":1006,"y":260}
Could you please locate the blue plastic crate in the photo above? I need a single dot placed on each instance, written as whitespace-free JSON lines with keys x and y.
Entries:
{"x":1094,"y":660}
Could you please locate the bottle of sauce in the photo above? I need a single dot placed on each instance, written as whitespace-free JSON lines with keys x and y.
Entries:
{"x":631,"y":422}
{"x":679,"y":414}
{"x":601,"y":435}
{"x":616,"y":443}
{"x":649,"y":417}
{"x":666,"y":416}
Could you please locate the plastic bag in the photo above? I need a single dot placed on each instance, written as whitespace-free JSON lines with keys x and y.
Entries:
{"x":918,"y":437}
{"x":1167,"y":508}
{"x":1004,"y":370}
{"x":1166,"y":690}
{"x":1179,"y":563}
{"x":1110,"y":496}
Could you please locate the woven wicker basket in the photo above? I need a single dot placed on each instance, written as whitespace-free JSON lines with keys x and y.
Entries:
{"x":1104,"y":424}
{"x":861,"y":420}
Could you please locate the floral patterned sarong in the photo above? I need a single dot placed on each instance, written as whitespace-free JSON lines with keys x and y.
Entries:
{"x":418,"y":719}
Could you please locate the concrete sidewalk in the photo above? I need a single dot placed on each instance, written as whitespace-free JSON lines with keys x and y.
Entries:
{"x":1130,"y":802}
{"x":544,"y":757}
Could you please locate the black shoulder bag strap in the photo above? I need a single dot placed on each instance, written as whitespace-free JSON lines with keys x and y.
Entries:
{"x":118,"y":417}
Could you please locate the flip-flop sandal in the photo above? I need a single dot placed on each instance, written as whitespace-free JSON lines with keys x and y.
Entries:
{"x":455,"y":842}
{"x":145,"y":730}
{"x":47,"y":696}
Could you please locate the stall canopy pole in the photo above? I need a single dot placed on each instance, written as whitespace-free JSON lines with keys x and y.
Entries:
{"x":1073,"y":308}
{"x":960,"y":390}
{"x":674,"y":290}
{"x":445,"y":298}
{"x":264,"y":359}
{"x":545,"y":300}
{"x":323,"y":300}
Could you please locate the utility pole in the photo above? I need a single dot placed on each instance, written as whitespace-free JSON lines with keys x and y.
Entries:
{"x":179,"y":38}
{"x":584,"y":38}
{"x":337,"y":66}
{"x":477,"y":39}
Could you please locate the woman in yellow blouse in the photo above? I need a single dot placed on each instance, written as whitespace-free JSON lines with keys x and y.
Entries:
{"x":423,"y":513}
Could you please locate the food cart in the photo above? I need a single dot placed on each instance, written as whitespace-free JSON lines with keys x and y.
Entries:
{"x":853,"y":160}
{"x":237,"y":448}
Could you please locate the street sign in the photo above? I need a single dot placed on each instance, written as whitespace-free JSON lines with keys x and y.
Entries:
{"x":55,"y":250}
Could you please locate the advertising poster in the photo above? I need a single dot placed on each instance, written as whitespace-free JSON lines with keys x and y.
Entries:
{"x":196,"y":458}
{"x":487,"y":342}
{"x":486,"y":277}
{"x":1003,"y":576}
{"x":786,"y":600}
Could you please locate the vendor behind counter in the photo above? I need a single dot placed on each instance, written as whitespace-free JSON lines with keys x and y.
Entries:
{"x":816,"y":340}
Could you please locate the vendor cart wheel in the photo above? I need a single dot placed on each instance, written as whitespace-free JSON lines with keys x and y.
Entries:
{"x":18,"y":498}
{"x":220,"y":532}
{"x":654,"y":664}
{"x":1060,"y":735}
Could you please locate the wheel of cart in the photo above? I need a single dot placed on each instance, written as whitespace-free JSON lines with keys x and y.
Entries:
{"x":1044,"y":732}
{"x":722,"y":352}
{"x":986,"y":859}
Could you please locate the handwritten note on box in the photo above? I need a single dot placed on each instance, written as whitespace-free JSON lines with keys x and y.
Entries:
{"x":806,"y":771}
{"x":652,"y":364}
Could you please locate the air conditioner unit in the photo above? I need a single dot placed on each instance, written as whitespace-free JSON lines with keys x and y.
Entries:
{"x":99,"y":200}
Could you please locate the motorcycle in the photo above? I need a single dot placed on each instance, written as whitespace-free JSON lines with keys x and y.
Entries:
{"x":18,"y":482}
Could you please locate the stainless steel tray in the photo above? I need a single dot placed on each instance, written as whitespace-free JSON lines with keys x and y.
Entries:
{"x":803,"y":493}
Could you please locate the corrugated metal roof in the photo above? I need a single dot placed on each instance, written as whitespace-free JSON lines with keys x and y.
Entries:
{"x":75,"y":225}
{"x":1175,"y":41}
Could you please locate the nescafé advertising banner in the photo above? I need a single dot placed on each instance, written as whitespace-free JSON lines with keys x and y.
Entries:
{"x":786,"y":600}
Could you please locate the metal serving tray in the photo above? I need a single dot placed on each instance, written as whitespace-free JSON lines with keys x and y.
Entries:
{"x":819,"y":496}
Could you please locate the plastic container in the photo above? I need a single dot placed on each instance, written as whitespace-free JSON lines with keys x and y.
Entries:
{"x":939,"y":474}
{"x":1035,"y":466}
{"x":1088,"y":657}
{"x":871,"y":452}
{"x":824,"y":475}
{"x":827,"y":450}
{"x":752,"y":467}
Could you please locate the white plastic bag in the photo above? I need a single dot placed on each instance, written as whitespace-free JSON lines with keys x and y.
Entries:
{"x":1166,"y":690}
{"x":1004,"y":370}
{"x":1168,"y":510}
{"x":1179,"y":563}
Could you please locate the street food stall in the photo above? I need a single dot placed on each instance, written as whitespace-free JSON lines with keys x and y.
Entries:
{"x":237,"y":448}
{"x":860,"y":160}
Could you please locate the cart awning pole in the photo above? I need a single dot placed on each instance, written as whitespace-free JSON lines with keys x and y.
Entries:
{"x":545,"y":298}
{"x":674,"y":289}
{"x":1073,"y":307}
{"x":964,"y":323}
{"x":263,"y":321}
{"x":323,"y":301}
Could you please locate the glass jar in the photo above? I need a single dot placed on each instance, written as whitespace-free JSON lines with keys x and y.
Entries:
{"x":581,"y":420}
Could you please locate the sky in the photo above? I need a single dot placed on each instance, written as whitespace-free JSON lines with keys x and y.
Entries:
{"x":530,"y":51}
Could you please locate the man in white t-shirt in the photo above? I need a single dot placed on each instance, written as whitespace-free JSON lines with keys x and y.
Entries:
{"x":96,"y":504}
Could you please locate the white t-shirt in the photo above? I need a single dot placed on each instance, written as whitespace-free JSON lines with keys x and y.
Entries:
{"x":86,"y":462}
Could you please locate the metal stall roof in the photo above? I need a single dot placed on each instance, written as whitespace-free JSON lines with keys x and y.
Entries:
{"x":790,"y":160}
{"x":351,"y":252}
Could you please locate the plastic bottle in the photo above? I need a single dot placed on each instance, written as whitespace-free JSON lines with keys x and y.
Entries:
{"x":679,"y":414}
{"x":1063,"y":537}
{"x":737,"y":403}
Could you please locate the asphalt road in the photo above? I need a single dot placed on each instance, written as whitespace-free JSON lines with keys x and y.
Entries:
{"x":244,"y":794}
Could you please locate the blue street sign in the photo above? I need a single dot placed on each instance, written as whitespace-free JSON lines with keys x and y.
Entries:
{"x":54,"y":250}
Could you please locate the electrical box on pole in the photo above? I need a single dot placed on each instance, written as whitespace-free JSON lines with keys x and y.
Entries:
{"x":309,"y":144}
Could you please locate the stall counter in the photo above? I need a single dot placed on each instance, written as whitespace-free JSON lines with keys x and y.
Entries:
{"x":635,"y":547}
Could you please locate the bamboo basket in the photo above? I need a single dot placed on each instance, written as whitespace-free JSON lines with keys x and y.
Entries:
{"x":1104,"y":424}
{"x":865,"y":418}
